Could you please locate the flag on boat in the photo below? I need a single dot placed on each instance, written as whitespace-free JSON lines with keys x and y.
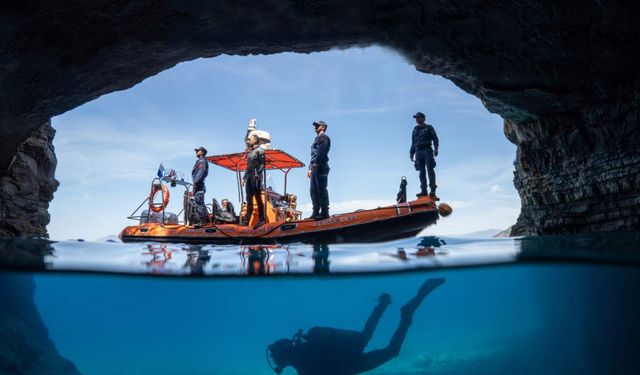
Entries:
{"x":160,"y":170}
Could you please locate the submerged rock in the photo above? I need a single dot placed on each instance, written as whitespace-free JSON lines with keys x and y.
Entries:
{"x":25,"y":347}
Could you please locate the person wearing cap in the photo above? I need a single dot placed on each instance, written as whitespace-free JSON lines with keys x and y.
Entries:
{"x":422,"y":153}
{"x":319,"y":172}
{"x":199,"y":173}
{"x":252,"y":179}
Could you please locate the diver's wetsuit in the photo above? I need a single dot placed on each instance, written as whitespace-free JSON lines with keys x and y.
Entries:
{"x":253,"y":182}
{"x":325,"y":350}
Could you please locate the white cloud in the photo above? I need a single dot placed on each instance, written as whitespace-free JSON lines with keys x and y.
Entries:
{"x":496,"y":189}
{"x":91,"y":150}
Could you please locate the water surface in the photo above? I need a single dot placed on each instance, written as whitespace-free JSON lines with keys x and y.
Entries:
{"x":529,"y":306}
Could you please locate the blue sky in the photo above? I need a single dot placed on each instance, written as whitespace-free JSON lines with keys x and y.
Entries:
{"x":109,"y":149}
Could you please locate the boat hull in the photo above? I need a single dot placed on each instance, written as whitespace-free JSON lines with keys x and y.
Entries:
{"x":380,"y":224}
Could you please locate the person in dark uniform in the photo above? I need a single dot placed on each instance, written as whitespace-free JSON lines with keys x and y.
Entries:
{"x":199,"y":173}
{"x":325,"y":350}
{"x":319,"y":172}
{"x":252,"y":179}
{"x":422,"y":153}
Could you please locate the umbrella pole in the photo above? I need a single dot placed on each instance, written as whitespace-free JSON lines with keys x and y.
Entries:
{"x":264,"y":193}
{"x":239,"y":182}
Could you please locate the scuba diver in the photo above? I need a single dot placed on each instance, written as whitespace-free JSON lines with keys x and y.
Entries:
{"x":401,"y":197}
{"x":227,"y":206}
{"x":252,"y":180}
{"x":325,"y":350}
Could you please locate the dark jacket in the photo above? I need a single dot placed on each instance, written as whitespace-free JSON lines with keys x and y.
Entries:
{"x":199,"y":173}
{"x":422,"y":137}
{"x":320,"y":152}
{"x":255,"y":166}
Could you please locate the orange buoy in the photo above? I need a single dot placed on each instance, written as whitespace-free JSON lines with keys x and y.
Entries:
{"x":158,"y":207}
{"x":444,"y":209}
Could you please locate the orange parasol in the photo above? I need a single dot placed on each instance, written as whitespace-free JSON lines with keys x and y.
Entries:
{"x":274,"y":159}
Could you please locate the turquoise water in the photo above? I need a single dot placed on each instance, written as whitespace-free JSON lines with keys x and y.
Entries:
{"x":508,"y":306}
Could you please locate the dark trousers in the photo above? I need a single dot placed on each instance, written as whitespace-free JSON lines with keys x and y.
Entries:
{"x":319,"y":192}
{"x":252,"y":189}
{"x":425,"y":160}
{"x":201,"y":208}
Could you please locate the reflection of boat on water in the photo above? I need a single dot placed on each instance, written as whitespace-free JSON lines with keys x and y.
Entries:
{"x":283,"y":221}
{"x":259,"y":260}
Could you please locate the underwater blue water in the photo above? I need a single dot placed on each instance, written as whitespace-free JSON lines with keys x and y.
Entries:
{"x":509,"y":313}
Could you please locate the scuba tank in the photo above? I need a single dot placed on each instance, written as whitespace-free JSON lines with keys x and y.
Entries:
{"x":401,"y":197}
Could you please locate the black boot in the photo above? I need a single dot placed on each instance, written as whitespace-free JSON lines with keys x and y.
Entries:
{"x":324,"y":213}
{"x":432,"y":195}
{"x":314,"y":214}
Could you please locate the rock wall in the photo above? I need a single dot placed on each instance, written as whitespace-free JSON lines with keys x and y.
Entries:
{"x":28,"y":186}
{"x":550,"y":69}
{"x":580,"y":173}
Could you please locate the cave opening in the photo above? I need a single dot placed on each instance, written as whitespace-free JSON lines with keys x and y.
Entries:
{"x":109,"y":149}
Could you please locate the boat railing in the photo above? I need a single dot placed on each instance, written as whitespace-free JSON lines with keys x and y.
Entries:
{"x":147,"y":215}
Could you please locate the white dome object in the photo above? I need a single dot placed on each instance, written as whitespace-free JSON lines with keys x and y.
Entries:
{"x":253,"y":125}
{"x":263,"y":136}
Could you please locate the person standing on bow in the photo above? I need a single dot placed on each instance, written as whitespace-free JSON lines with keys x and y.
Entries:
{"x":252,"y":179}
{"x":199,"y":173}
{"x":423,"y":155}
{"x":319,"y":172}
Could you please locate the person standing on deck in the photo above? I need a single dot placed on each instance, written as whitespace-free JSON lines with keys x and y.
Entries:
{"x":319,"y":172}
{"x":252,"y":179}
{"x":423,"y":155}
{"x":199,"y":173}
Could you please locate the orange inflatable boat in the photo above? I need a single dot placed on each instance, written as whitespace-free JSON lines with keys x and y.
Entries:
{"x":284,"y":222}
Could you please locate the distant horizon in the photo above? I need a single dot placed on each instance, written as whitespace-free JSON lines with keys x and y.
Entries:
{"x":109,"y":149}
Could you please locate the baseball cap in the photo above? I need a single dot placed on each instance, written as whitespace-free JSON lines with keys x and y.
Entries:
{"x":201,"y":149}
{"x":419,"y":114}
{"x":319,"y":123}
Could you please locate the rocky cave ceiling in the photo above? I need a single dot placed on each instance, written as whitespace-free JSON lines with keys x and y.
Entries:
{"x":557,"y":72}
